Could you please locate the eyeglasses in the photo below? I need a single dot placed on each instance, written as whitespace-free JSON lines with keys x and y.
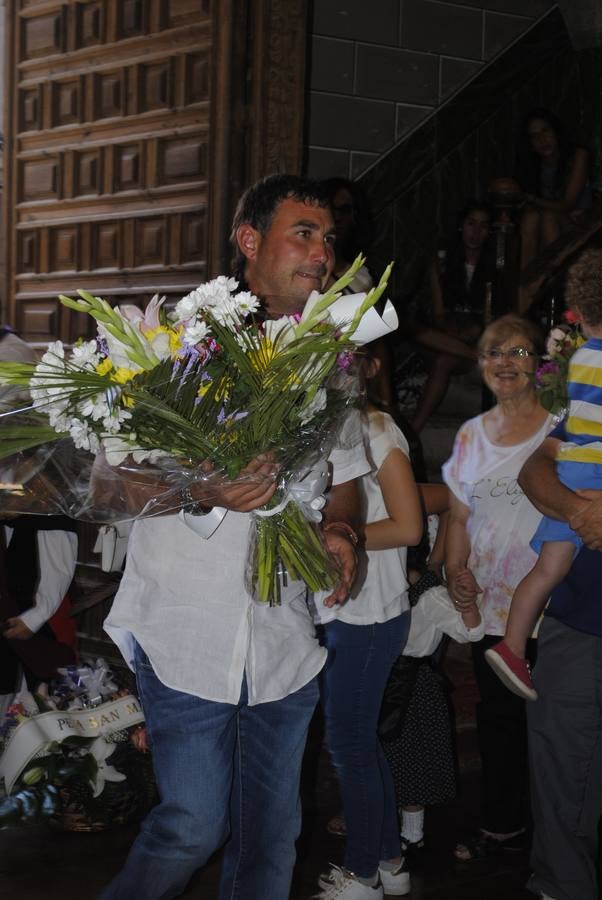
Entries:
{"x":513,"y":353}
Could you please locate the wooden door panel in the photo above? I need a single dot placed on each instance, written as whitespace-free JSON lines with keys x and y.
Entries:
{"x":107,"y":154}
{"x":131,"y":126}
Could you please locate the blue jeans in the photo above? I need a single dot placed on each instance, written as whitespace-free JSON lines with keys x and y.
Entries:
{"x":353,"y":682}
{"x":226,"y":774}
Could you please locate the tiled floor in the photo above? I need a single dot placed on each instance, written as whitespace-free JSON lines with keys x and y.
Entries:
{"x":41,"y":864}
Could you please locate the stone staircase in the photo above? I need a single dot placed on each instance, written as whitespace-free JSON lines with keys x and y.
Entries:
{"x":462,"y":402}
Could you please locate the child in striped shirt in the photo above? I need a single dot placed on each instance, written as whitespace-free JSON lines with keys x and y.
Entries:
{"x":579,"y":467}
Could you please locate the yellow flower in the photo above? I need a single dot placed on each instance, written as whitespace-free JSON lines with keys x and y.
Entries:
{"x":123,"y":375}
{"x":224,"y":387}
{"x":174,"y":336}
{"x":105,"y":366}
{"x":222,"y":391}
{"x":263,"y":356}
{"x":175,"y":340}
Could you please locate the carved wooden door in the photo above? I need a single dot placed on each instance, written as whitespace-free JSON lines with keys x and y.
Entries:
{"x":131,"y":126}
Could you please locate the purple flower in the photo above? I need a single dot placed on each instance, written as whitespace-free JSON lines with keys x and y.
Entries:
{"x":548,"y":368}
{"x":193,"y":358}
{"x":344,"y":359}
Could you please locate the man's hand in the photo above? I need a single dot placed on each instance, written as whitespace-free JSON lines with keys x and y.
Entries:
{"x":253,"y":487}
{"x":341,"y":547}
{"x":15,"y":629}
{"x":587,"y":522}
{"x":463,"y":588}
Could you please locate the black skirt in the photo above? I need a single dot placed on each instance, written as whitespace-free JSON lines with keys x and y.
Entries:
{"x":416,"y":733}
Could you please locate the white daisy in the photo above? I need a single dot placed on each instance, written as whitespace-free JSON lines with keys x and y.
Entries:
{"x":86,"y":355}
{"x":196,"y":333}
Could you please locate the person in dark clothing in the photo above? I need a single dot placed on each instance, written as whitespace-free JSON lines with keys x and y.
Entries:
{"x":553,"y":172}
{"x":565,"y":724}
{"x":460,"y":275}
{"x":37,"y":563}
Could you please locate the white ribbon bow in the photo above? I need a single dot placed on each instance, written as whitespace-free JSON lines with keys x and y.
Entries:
{"x":307,"y":492}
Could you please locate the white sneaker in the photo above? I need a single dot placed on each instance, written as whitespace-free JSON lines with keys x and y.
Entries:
{"x":396,"y":883}
{"x":339,"y":884}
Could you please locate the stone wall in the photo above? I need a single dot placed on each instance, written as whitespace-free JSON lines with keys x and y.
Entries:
{"x":417,"y":188}
{"x":378,"y":69}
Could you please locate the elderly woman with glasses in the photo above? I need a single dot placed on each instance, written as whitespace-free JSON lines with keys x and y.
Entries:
{"x":487,"y":553}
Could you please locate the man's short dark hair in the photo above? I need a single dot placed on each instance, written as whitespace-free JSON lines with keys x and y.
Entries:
{"x":259,"y":202}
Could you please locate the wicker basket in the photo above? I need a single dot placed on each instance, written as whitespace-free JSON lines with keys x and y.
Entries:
{"x":120,"y":803}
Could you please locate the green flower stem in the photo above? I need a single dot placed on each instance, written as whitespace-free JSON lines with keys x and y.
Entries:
{"x":320,"y":307}
{"x":117,"y":326}
{"x":16,"y":373}
{"x":291,"y":539}
{"x":370,"y":300}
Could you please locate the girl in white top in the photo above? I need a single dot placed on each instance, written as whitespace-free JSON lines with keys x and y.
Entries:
{"x":364,"y":640}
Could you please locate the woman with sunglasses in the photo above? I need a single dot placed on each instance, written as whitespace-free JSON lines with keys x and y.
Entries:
{"x":488,"y":553}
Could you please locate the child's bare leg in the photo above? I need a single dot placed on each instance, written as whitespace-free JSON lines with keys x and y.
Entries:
{"x":532,"y":593}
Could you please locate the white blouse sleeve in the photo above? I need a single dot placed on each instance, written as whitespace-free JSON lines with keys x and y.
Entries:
{"x":385,"y":436}
{"x":434,"y":615}
{"x":57,"y":558}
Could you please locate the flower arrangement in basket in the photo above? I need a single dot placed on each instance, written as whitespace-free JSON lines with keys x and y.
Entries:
{"x":552,"y":375}
{"x":201,"y":391}
{"x":74,"y":754}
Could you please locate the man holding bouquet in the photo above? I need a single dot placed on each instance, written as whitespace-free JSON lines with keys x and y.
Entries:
{"x":228,"y":685}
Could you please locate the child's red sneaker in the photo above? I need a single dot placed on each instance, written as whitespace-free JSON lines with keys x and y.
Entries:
{"x":512,"y":670}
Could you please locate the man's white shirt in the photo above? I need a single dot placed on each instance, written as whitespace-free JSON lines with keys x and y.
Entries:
{"x":185,"y":601}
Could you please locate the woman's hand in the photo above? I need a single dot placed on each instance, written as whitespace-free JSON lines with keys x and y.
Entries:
{"x":463,"y":588}
{"x":15,"y":629}
{"x":342,"y":548}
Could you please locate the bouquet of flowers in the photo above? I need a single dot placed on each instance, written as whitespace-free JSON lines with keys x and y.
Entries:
{"x":200,"y":391}
{"x":74,"y":753}
{"x":552,"y":375}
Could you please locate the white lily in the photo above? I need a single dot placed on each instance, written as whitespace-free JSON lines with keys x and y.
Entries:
{"x":101,"y":750}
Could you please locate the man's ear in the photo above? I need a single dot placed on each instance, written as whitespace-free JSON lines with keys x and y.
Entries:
{"x":248,"y":239}
{"x":373,"y":366}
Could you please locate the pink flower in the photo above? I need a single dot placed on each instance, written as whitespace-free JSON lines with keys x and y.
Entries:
{"x":147,"y":320}
{"x":571,"y":316}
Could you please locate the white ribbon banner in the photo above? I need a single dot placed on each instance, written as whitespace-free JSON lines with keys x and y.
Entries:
{"x":31,"y":737}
